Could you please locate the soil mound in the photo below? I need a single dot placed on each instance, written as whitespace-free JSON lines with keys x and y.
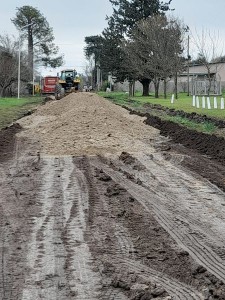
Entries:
{"x":7,"y":140}
{"x":190,"y":116}
{"x":207,"y":144}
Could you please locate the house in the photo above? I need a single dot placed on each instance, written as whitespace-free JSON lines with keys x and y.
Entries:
{"x":200,"y":81}
{"x":203,"y":78}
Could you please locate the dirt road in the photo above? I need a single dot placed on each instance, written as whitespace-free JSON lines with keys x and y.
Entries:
{"x":91,"y":208}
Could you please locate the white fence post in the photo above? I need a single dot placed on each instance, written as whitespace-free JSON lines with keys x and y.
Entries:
{"x":222,"y":103}
{"x":215,"y":102}
{"x":197,"y":102}
{"x":172,"y":99}
{"x":203,"y":102}
{"x":193,"y":100}
{"x":208,"y":103}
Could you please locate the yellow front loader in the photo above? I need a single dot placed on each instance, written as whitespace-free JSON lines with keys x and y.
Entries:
{"x":68,"y":82}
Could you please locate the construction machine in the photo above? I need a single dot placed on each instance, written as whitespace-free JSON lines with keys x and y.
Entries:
{"x":48,"y":84}
{"x":68,"y":82}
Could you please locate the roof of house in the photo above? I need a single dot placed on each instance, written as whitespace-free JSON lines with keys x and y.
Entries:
{"x":197,"y":73}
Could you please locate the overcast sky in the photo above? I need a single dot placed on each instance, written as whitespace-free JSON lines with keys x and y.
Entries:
{"x":73,"y":20}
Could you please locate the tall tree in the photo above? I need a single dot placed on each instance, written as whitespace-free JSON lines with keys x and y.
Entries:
{"x":94,"y":46}
{"x":154,"y":50}
{"x":93,"y":49}
{"x":126,"y":13}
{"x":88,"y":71}
{"x":35,"y":28}
{"x":209,"y":47}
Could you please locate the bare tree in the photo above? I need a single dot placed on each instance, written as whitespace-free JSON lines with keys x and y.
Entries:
{"x":89,"y":70}
{"x":209,"y":48}
{"x":154,"y":51}
{"x":9,"y":64}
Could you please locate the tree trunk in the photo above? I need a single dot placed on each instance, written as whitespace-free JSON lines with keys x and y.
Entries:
{"x":145,"y":82}
{"x":130,"y":89}
{"x":156,"y":84}
{"x":30,"y":53}
{"x":210,"y":84}
{"x":3,"y":92}
{"x":133,"y":87}
{"x":165,"y":89}
{"x":175,"y":82}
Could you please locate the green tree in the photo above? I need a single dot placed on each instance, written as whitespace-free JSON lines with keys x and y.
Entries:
{"x":93,"y":50}
{"x":154,"y":50}
{"x":35,"y":28}
{"x":122,"y":23}
{"x":94,"y":47}
{"x":112,"y":55}
{"x":126,"y":13}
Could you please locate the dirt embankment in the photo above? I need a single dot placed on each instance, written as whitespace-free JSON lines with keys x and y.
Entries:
{"x":97,"y":205}
{"x":7,"y":141}
{"x":206,"y":144}
{"x":204,"y":153}
{"x":86,"y":124}
{"x":190,"y":116}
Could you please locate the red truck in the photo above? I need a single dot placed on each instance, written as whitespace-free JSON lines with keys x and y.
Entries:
{"x":48,"y":84}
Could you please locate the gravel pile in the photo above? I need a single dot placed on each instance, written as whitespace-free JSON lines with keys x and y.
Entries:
{"x":85,"y":123}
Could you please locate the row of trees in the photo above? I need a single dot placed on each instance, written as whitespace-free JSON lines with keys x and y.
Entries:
{"x":35,"y":29}
{"x":140,"y":43}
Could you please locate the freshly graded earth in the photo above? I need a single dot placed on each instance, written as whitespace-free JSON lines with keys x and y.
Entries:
{"x":96,"y":204}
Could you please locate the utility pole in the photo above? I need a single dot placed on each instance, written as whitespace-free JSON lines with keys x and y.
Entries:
{"x":19,"y":54}
{"x":188,"y":67}
{"x":187,"y":29}
{"x":98,"y":76}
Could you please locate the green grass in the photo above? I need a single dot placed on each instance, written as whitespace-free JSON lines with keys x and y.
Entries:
{"x":12,"y":109}
{"x":183,"y":102}
{"x":206,"y":127}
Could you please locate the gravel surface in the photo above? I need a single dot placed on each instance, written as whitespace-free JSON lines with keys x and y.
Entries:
{"x":87,"y":124}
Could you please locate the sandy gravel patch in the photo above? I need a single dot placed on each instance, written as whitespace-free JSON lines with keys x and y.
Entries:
{"x":85,"y":123}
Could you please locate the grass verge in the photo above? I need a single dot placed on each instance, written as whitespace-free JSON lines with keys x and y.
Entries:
{"x":11,"y":109}
{"x":183,"y":103}
{"x":206,"y":127}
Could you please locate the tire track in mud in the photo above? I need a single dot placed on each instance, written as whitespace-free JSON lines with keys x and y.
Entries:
{"x":103,"y":231}
{"x":5,"y":285}
{"x":124,"y":240}
{"x":151,"y":202}
{"x":122,"y":252}
{"x":40,"y":257}
{"x":58,"y":257}
{"x":17,"y":193}
{"x":86,"y":281}
{"x":189,"y":199}
{"x":170,"y":185}
{"x":176,"y":289}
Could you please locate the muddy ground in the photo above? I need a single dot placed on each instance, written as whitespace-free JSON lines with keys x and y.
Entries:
{"x":95,"y":204}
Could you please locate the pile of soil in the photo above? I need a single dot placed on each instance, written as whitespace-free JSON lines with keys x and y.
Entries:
{"x":7,"y":140}
{"x":190,"y":116}
{"x":136,"y":221}
{"x":206,"y":144}
{"x":85,"y":123}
